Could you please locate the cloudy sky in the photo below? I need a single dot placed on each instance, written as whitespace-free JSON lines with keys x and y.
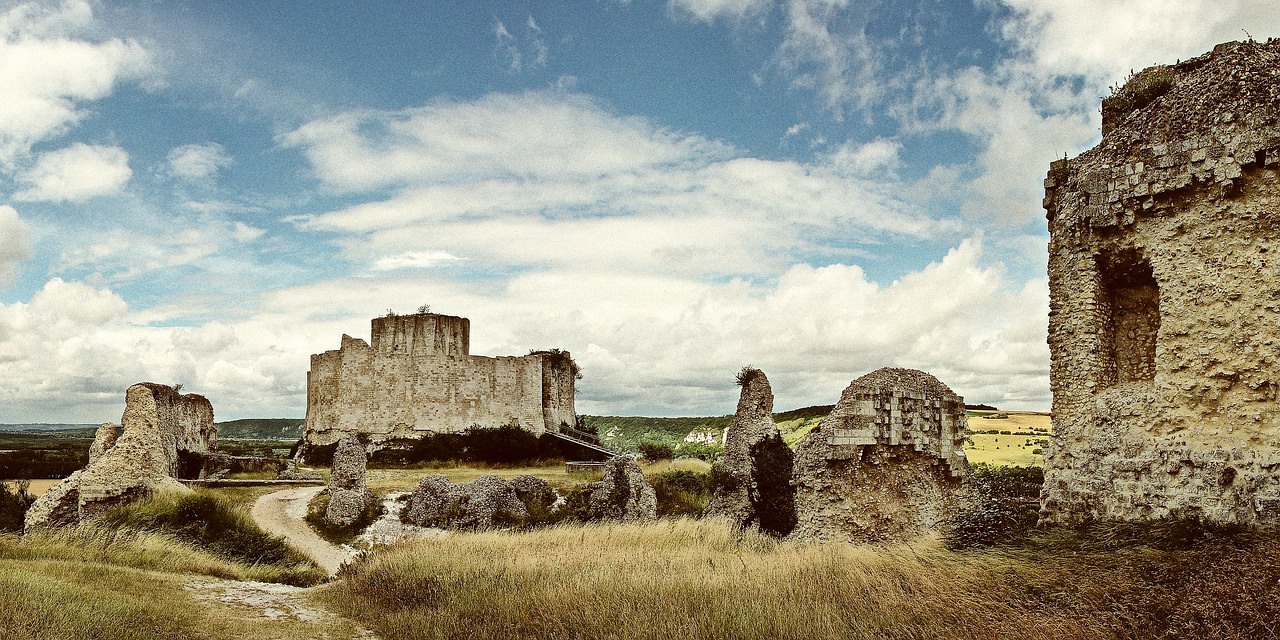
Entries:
{"x":207,"y":193}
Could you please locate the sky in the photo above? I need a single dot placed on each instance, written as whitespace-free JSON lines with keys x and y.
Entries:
{"x":206,"y":194}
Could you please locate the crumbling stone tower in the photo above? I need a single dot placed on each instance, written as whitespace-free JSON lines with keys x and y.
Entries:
{"x":886,"y":465}
{"x":1164,"y":285}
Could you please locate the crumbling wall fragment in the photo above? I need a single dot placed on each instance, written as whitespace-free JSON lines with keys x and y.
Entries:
{"x":166,"y":435}
{"x":103,"y":440}
{"x":349,"y":494}
{"x":753,"y":477}
{"x":886,"y":465}
{"x":1164,"y":287}
{"x":487,"y":502}
{"x":623,"y":493}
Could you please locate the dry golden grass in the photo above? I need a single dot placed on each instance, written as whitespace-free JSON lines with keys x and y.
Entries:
{"x":695,"y":579}
{"x":94,"y":583}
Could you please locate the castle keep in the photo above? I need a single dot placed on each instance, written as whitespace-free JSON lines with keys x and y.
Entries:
{"x":1164,"y":283}
{"x":418,"y":376}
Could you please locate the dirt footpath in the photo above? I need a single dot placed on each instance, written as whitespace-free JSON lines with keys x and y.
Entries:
{"x":283,"y":513}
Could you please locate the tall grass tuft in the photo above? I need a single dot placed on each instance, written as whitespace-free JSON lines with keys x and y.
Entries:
{"x":681,"y":578}
{"x":216,"y":524}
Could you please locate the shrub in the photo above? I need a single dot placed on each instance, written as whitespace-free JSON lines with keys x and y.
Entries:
{"x":1001,"y":509}
{"x":700,"y":451}
{"x":14,"y":501}
{"x":653,"y":451}
{"x":776,"y":504}
{"x":681,"y":492}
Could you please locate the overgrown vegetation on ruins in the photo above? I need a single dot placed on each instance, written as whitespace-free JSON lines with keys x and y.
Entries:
{"x":689,"y":579}
{"x":14,"y":501}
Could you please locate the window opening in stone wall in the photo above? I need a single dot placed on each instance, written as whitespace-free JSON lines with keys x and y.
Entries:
{"x":1131,"y":322}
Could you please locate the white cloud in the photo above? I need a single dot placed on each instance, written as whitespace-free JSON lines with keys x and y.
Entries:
{"x":1124,"y":36}
{"x":710,"y":10}
{"x":875,"y":158}
{"x":521,"y":54}
{"x":198,"y":162}
{"x":556,"y":180}
{"x":13,"y":243}
{"x":46,"y":74}
{"x":75,"y":174}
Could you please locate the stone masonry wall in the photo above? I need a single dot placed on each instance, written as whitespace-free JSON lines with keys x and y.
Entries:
{"x":886,"y":465}
{"x":418,"y":376}
{"x":1164,"y":281}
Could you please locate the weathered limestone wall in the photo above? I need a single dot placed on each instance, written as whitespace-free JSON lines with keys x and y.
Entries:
{"x":167,"y":435}
{"x":886,"y":465}
{"x":1164,"y":281}
{"x":418,"y":376}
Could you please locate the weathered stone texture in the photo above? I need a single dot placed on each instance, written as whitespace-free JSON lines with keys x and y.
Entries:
{"x":485,"y":503}
{"x":623,"y":493}
{"x":1164,"y":325}
{"x":167,"y":435}
{"x":887,"y":464}
{"x":349,"y":494}
{"x":753,"y":476}
{"x":103,"y":440}
{"x":419,"y":377}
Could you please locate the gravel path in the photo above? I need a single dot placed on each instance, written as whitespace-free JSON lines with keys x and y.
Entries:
{"x":283,"y":513}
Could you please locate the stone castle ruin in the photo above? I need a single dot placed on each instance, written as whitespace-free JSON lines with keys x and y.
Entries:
{"x":167,"y":435}
{"x":886,"y":465}
{"x":417,"y":376}
{"x":1164,"y":282}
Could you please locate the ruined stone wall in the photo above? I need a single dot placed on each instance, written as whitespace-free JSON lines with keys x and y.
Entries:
{"x":166,"y":435}
{"x":1164,"y":280}
{"x":887,"y":464}
{"x":418,"y":376}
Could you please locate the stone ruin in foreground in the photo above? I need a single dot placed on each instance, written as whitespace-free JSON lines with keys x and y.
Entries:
{"x":886,"y":465}
{"x":1164,"y":285}
{"x":167,"y":435}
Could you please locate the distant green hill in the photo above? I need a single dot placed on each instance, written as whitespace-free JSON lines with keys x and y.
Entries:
{"x":261,"y":429}
{"x":625,"y":432}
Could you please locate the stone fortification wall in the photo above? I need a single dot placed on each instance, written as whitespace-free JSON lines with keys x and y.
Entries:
{"x":417,"y":376}
{"x":167,"y":435}
{"x":1164,"y":278}
{"x":886,"y":465}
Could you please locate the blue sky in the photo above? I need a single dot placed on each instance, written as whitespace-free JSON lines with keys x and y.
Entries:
{"x":207,"y":193}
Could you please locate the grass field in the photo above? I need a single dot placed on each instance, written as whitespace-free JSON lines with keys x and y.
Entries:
{"x":1028,"y":432}
{"x":697,"y":579}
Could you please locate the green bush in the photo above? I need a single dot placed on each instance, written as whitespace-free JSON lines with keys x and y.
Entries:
{"x":654,"y":451}
{"x":775,"y":504}
{"x":1003,"y":507}
{"x":681,"y":492}
{"x":700,"y":451}
{"x":14,"y":501}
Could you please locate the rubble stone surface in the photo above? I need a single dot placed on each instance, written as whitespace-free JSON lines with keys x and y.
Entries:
{"x":886,"y":465}
{"x":166,"y":435}
{"x":487,"y":502}
{"x":349,"y":494}
{"x":623,"y":493}
{"x":103,"y":440}
{"x":753,"y":476}
{"x":1164,"y":284}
